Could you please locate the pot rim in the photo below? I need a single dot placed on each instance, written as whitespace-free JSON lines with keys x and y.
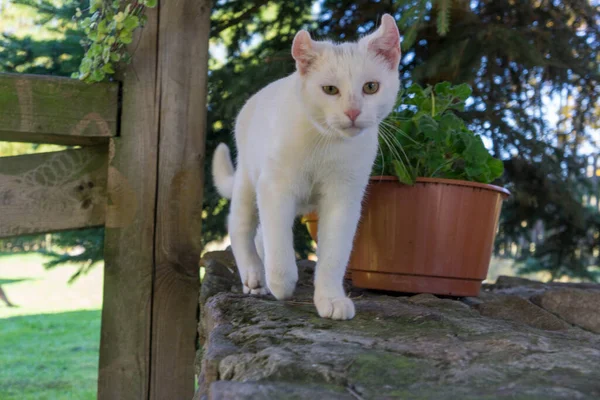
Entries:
{"x":443,"y":181}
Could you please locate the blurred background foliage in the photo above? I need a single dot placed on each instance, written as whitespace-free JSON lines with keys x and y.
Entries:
{"x":533,"y":66}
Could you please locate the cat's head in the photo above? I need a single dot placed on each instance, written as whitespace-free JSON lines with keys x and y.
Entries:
{"x":349,"y":87}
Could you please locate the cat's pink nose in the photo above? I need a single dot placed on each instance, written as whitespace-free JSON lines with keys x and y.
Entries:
{"x":352,"y":113}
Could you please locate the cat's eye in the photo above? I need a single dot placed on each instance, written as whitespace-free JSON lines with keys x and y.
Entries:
{"x":371,"y":87}
{"x":330,"y":90}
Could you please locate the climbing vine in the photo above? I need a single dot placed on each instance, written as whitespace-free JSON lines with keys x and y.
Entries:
{"x":109,"y":27}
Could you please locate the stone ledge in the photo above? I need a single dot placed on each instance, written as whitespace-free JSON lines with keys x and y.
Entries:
{"x":500,"y":345}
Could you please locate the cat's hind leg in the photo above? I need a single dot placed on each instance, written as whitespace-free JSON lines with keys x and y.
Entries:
{"x":243,"y":221}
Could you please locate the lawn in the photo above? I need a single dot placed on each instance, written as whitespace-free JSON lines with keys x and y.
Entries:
{"x":50,"y":340}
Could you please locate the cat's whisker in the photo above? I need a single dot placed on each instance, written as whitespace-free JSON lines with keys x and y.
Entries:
{"x":387,"y":137}
{"x":391,"y":134}
{"x":391,"y":148}
{"x":398,"y":130}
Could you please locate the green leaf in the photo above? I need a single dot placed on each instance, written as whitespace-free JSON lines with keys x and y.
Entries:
{"x":496,"y":168}
{"x":435,"y":164}
{"x":125,"y":37}
{"x":473,"y":171}
{"x":430,"y":128}
{"x":98,"y":75}
{"x":462,"y":91}
{"x":416,"y":89}
{"x":402,"y":173}
{"x":106,"y":54}
{"x":442,"y":88}
{"x":95,"y":5}
{"x":115,"y":57}
{"x":477,"y":152}
{"x":131,"y":22}
{"x":103,"y":27}
{"x":150,"y":3}
{"x":450,"y":122}
{"x":85,"y":66}
{"x":95,"y":50}
{"x":107,"y":68}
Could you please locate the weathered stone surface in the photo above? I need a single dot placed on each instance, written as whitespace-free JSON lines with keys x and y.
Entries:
{"x":577,"y":306}
{"x":228,"y":390}
{"x":397,"y":347}
{"x":518,"y":309}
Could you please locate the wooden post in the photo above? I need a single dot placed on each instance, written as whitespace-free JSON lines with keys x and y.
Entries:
{"x":153,"y":217}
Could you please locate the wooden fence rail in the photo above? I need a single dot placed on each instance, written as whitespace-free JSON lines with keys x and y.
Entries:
{"x":43,"y":109}
{"x":55,"y":191}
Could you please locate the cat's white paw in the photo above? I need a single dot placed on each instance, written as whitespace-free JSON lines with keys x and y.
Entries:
{"x":335,"y":307}
{"x":259,"y":291}
{"x":253,"y":281}
{"x":282,"y":289}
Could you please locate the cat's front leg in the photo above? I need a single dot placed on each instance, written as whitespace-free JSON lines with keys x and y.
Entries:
{"x":277,"y":210}
{"x":339,"y":212}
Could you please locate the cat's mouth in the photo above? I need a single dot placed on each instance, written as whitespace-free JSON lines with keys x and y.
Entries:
{"x":352,"y":130}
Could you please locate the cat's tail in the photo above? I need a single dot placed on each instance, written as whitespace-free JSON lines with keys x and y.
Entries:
{"x":223,"y":171}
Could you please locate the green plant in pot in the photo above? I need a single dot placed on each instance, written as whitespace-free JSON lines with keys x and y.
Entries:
{"x":430,"y":213}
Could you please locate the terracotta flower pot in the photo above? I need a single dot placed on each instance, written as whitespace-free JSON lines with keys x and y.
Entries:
{"x":434,"y":237}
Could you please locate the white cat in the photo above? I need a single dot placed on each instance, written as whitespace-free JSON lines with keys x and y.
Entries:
{"x":307,"y":142}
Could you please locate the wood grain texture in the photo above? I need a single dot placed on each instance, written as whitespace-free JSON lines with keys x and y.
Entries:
{"x":130,"y":222}
{"x":53,"y":191}
{"x":56,"y":110}
{"x":183,"y":65}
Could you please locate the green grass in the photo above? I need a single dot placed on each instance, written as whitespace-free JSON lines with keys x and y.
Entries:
{"x":49,"y":343}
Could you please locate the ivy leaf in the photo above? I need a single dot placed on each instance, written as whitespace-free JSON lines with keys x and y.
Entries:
{"x":107,"y":68}
{"x":150,"y":3}
{"x":131,"y":22}
{"x":95,"y":5}
{"x":125,"y":37}
{"x":86,"y":65}
{"x":95,"y":50}
{"x":103,"y":27}
{"x":402,"y":173}
{"x":98,"y":75}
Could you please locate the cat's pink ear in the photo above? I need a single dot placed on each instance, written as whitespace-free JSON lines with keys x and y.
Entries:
{"x":385,"y":41}
{"x":303,"y":51}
